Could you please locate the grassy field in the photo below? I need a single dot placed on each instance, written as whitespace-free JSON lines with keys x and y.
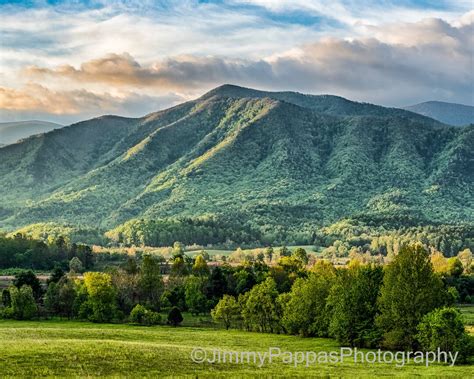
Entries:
{"x":53,"y":348}
{"x":468,"y":316}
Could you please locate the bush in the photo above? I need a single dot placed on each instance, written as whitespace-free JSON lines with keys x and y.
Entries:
{"x":175,"y":317}
{"x":6,"y":313}
{"x":444,"y":328}
{"x":152,"y":318}
{"x":141,"y":315}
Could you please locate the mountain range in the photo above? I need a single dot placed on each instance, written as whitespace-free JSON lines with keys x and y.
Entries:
{"x":449,"y":113}
{"x":11,"y":132}
{"x":278,"y":161}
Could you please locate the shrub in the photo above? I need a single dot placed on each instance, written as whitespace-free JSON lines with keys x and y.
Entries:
{"x":152,"y":318}
{"x":137,"y":314}
{"x":444,"y":328}
{"x":141,"y":315}
{"x":6,"y":313}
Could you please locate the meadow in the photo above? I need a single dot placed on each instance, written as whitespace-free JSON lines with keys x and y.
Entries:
{"x":70,"y":348}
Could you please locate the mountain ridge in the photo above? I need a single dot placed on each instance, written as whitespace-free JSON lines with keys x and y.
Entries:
{"x":11,"y":132}
{"x":448,"y":113}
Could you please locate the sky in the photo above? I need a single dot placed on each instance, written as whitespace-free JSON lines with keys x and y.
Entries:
{"x":66,"y":61}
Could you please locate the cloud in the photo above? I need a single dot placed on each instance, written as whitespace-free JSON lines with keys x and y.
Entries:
{"x":427,"y":59}
{"x":176,"y":73}
{"x":34,"y":99}
{"x":130,"y":58}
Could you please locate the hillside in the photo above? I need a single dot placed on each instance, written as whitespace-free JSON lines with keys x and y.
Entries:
{"x":273,"y":162}
{"x":11,"y":132}
{"x":449,"y":113}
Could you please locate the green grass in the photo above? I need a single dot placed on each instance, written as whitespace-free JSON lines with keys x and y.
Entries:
{"x":468,"y":313}
{"x":63,"y":348}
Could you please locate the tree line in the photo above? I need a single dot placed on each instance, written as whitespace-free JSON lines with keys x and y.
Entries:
{"x":20,"y":251}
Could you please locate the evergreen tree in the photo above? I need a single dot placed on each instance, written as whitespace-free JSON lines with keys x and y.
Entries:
{"x":175,"y":317}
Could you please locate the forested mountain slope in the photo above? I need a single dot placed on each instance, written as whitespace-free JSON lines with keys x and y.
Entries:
{"x":276,"y":161}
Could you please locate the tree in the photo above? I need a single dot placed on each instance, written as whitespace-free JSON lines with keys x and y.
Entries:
{"x":226,"y":311}
{"x":178,"y":250}
{"x":281,"y":278}
{"x":269,"y":254}
{"x":353,"y":305}
{"x":196,"y":301}
{"x":260,"y":309}
{"x":244,"y":279}
{"x":175,"y":317}
{"x":439,"y":262}
{"x":175,"y":296}
{"x":443,"y":328}
{"x":60,"y":297}
{"x":85,"y":254}
{"x":216,"y":285}
{"x":410,"y":290}
{"x":284,"y":251}
{"x":455,"y":267}
{"x":131,"y":267}
{"x":28,"y":278}
{"x":301,"y":255}
{"x":51,"y":298}
{"x":150,"y":283}
{"x":305,"y":311}
{"x":465,"y":257}
{"x":179,"y":267}
{"x":200,"y":266}
{"x":292,"y":265}
{"x":205,"y":255}
{"x":101,"y":296}
{"x":75,"y":265}
{"x":67,"y":297}
{"x":56,"y":275}
{"x":23,"y":303}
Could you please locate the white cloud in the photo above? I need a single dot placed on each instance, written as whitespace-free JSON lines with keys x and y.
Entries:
{"x":436,"y":62}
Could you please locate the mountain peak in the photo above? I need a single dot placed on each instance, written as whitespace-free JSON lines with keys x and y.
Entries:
{"x":231,"y":90}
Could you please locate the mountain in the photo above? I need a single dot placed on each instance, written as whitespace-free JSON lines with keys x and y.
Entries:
{"x":278,"y":163}
{"x":11,"y":132}
{"x":449,"y":113}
